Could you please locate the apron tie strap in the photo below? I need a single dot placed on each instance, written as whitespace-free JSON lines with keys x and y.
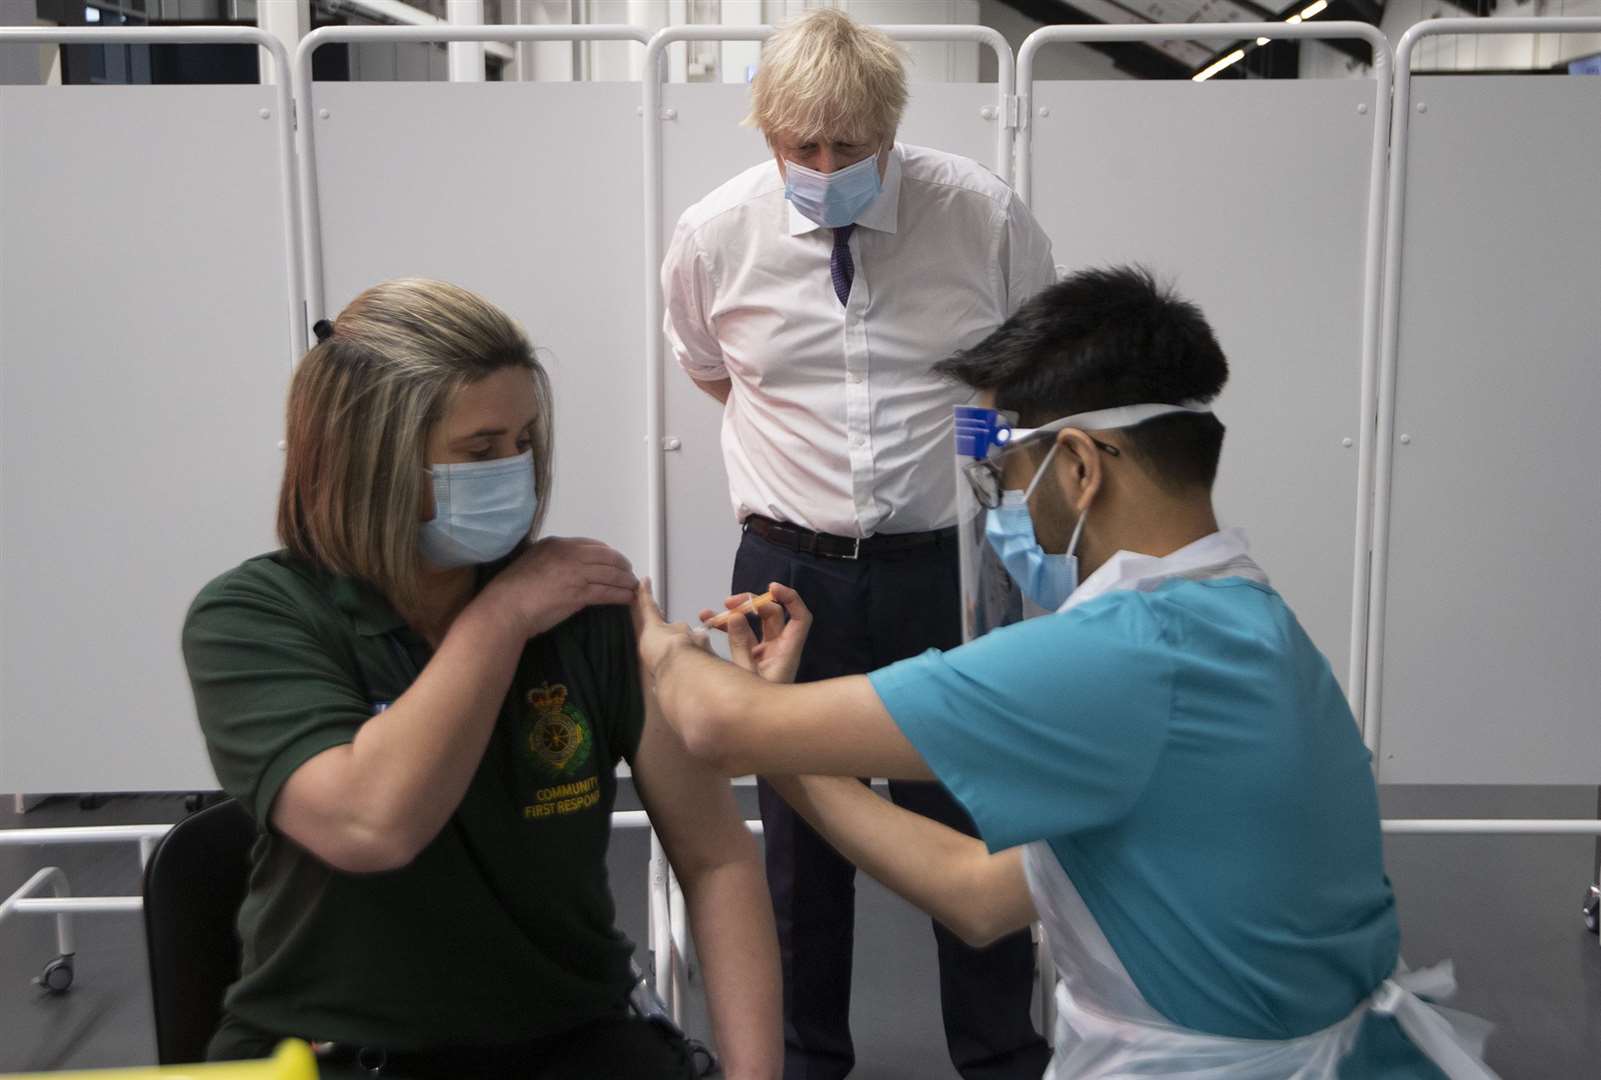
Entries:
{"x":1426,"y":1025}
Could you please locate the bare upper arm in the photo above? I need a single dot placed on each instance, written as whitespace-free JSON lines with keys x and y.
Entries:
{"x":691,"y":805}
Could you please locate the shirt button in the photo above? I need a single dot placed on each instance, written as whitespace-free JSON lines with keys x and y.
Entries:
{"x":858,"y":441}
{"x":854,"y":377}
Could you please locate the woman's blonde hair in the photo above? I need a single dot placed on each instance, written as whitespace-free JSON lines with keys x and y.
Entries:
{"x":361,"y":405}
{"x":826,"y":76}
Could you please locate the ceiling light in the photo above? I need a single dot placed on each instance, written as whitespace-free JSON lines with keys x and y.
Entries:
{"x":1232,"y":58}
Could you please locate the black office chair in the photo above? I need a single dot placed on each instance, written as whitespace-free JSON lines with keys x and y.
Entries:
{"x":194,"y":883}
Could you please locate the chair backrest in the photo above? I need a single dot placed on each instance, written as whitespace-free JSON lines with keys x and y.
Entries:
{"x":194,"y":883}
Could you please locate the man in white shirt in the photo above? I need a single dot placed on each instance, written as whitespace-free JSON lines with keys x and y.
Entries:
{"x":811,"y":295}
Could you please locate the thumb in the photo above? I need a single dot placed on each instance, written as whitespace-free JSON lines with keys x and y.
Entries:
{"x":646,"y":613}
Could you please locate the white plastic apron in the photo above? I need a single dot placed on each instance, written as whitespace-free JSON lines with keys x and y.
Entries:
{"x":1104,"y":1026}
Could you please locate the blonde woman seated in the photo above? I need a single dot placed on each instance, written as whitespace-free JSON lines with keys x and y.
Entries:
{"x":423,"y":708}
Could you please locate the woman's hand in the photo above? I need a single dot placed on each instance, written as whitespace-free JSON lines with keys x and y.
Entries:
{"x":656,"y":636}
{"x":556,"y":578}
{"x":777,"y":656}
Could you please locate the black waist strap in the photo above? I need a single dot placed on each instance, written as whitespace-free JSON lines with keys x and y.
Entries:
{"x":828,"y":546}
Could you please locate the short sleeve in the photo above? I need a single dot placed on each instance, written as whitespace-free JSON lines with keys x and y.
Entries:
{"x":687,"y":287}
{"x":615,"y":657}
{"x":268,"y":694}
{"x":1046,"y":728}
{"x":1030,"y":265}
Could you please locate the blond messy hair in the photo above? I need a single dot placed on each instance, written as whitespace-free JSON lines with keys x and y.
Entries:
{"x":826,"y":76}
{"x":361,"y":405}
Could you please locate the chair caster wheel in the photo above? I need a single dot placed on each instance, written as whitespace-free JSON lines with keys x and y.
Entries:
{"x":57,"y":976}
{"x":1592,"y":910}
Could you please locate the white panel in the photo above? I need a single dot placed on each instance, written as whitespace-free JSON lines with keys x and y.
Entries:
{"x":702,"y":147}
{"x":1490,"y":671}
{"x":529,"y":194}
{"x":1251,"y":198}
{"x":143,"y":367}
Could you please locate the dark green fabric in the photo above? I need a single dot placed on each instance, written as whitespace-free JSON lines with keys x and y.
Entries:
{"x":502,"y":929}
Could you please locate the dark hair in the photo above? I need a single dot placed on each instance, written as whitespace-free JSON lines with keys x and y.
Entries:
{"x":1103,"y":338}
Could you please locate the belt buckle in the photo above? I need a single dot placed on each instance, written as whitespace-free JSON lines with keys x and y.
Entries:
{"x":856,"y":550}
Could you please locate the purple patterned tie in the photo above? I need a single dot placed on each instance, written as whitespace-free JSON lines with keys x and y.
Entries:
{"x":840,"y":267}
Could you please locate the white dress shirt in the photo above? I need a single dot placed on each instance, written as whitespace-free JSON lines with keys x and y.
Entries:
{"x":835,"y":421}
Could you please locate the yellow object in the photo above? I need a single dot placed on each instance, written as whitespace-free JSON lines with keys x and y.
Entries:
{"x":749,"y":607}
{"x":293,"y":1061}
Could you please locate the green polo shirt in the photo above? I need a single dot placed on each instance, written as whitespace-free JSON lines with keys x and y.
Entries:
{"x":502,"y":929}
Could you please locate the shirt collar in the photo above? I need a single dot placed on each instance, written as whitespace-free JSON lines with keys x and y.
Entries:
{"x":881,"y":213}
{"x":371,"y":614}
{"x":1225,"y":553}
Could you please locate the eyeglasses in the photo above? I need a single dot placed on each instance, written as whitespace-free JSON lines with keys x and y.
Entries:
{"x":987,"y":477}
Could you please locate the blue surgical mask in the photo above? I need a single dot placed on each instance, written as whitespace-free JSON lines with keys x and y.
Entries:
{"x":482,"y":510}
{"x":832,"y":199}
{"x":1045,"y":579}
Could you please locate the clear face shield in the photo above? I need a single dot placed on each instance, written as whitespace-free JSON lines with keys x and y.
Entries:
{"x":990,"y":598}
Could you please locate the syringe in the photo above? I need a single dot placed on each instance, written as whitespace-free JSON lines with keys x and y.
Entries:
{"x":749,"y":607}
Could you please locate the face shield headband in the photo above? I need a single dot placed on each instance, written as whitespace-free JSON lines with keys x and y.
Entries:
{"x":984,"y":473}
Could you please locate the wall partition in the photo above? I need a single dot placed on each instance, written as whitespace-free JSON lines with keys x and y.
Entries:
{"x":1487,"y":591}
{"x":1260,"y":201}
{"x":149,"y":311}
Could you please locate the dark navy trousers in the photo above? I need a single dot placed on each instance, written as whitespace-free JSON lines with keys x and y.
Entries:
{"x":869,"y":613}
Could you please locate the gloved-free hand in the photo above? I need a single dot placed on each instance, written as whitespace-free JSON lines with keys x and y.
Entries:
{"x":784,"y":627}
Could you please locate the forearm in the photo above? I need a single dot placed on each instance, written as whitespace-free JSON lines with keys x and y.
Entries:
{"x":731,"y":917}
{"x":717,"y":388}
{"x":952,"y":877}
{"x":412,"y":762}
{"x":704,"y":697}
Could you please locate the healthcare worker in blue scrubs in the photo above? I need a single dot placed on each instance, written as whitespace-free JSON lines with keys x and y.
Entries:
{"x":1163,"y":769}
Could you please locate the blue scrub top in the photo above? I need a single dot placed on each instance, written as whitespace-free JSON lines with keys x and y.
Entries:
{"x":1189,"y":757}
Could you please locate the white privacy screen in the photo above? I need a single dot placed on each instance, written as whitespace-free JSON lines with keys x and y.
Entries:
{"x":1493,"y":594}
{"x":143,"y":365}
{"x":1251,"y":199}
{"x":703,"y":146}
{"x":530,"y":195}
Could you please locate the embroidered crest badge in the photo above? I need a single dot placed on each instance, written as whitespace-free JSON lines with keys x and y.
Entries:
{"x":559,"y":736}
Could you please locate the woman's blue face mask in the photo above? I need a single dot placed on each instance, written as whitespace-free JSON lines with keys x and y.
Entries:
{"x":482,"y":510}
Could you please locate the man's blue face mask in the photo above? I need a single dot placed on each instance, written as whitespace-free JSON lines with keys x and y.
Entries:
{"x":1046,"y":579}
{"x":832,"y":199}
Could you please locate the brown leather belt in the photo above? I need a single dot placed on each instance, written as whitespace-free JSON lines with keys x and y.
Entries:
{"x":829,"y":546}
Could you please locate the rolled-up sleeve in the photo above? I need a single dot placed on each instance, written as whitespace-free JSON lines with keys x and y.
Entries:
{"x":1043,"y":729}
{"x":687,"y":288}
{"x":1030,"y":264}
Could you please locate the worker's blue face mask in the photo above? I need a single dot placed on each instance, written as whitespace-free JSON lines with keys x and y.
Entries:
{"x":1047,"y":580}
{"x":832,"y":199}
{"x":482,"y":510}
